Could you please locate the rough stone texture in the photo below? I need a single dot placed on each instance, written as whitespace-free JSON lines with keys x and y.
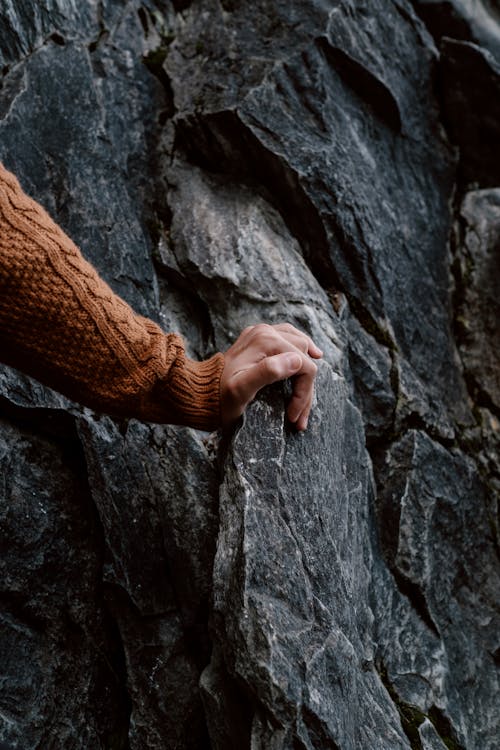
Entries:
{"x":468,"y":20}
{"x":479,"y":316}
{"x":470,"y":82}
{"x":222,"y":163}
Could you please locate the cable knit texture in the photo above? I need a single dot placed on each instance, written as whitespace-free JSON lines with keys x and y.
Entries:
{"x":62,"y":324}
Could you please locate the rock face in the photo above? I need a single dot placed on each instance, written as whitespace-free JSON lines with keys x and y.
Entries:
{"x":224,"y":163}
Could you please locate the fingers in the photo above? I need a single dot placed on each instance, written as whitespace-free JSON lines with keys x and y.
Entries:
{"x":269,"y":370}
{"x":287,"y":332}
{"x":300,"y":403}
{"x":300,"y":339}
{"x":264,"y":354}
{"x":278,"y":367}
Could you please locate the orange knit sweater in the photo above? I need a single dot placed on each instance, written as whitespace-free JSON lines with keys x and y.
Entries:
{"x":62,"y":324}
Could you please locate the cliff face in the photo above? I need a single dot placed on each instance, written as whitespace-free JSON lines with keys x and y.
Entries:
{"x":335,"y":165}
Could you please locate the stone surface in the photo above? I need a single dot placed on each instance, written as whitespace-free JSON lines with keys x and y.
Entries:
{"x":339,"y":133}
{"x":468,"y":20}
{"x":429,"y":737}
{"x":61,"y":683}
{"x":479,"y":315}
{"x":224,"y":163}
{"x":292,"y":575}
{"x":427,"y":541}
{"x":470,"y":83}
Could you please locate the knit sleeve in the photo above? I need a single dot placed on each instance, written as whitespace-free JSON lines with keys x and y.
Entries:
{"x":62,"y":324}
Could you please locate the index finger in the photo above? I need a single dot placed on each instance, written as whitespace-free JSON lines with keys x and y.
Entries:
{"x":289,"y":331}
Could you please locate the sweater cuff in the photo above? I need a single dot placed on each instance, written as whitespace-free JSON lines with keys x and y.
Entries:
{"x":194,"y":388}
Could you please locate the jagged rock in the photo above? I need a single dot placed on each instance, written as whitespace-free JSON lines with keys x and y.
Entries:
{"x":429,"y":737}
{"x":272,"y":627}
{"x":94,"y":199}
{"x":164,"y":495}
{"x":338,"y":133}
{"x":62,"y":677}
{"x":470,"y":83}
{"x":467,"y":20}
{"x":371,"y":367}
{"x":238,"y":253}
{"x":223,"y":163}
{"x":28,"y":26}
{"x":479,"y":314}
{"x":291,"y":579}
{"x":439,"y":544}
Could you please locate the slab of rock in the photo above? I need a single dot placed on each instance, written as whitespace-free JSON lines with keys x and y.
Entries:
{"x":470,"y":83}
{"x":336,"y":133}
{"x":438,"y":541}
{"x":291,"y":579}
{"x":155,"y":491}
{"x":467,"y":20}
{"x":224,"y":163}
{"x":479,"y":313}
{"x":62,"y":678}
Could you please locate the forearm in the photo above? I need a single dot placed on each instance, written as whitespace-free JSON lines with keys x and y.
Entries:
{"x":61,"y":323}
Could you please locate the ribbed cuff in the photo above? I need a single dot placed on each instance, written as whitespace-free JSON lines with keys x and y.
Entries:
{"x":194,"y":388}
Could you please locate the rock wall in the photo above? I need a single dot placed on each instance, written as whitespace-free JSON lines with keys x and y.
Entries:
{"x":333,"y":164}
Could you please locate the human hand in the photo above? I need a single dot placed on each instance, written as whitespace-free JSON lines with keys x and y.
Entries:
{"x":264,"y":354}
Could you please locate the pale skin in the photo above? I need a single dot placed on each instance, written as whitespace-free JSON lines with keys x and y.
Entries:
{"x":264,"y":354}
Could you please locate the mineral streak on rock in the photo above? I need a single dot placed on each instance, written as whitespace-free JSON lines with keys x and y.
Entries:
{"x":333,"y":164}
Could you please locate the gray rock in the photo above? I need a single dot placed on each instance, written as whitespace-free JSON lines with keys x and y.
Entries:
{"x":371,"y":368}
{"x":429,"y":737}
{"x":159,"y":485}
{"x":226,"y":163}
{"x":468,"y":20}
{"x":112,"y":233}
{"x":28,"y":26}
{"x":337,"y":134}
{"x":291,"y":579}
{"x":439,"y":545}
{"x":479,"y":313}
{"x":62,"y":677}
{"x":470,"y":81}
{"x":236,"y":250}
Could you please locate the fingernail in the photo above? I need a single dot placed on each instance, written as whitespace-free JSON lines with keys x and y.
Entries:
{"x":293,"y":361}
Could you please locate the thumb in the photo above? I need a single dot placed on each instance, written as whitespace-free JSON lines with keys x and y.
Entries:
{"x":268,"y":370}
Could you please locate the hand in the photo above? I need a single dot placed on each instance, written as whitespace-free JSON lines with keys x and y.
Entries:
{"x":264,"y":354}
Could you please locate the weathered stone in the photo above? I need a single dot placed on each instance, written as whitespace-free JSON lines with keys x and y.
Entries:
{"x":470,"y":83}
{"x":112,"y":233}
{"x":291,"y":579}
{"x":238,"y":252}
{"x":479,"y":313}
{"x":468,"y":20}
{"x":439,"y":544}
{"x":224,"y":163}
{"x":337,"y":134}
{"x":371,"y":369}
{"x":61,"y":682}
{"x":162,"y":680}
{"x":158,"y":484}
{"x":429,"y":737}
{"x":27,"y":26}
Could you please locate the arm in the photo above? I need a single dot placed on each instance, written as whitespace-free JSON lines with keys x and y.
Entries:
{"x":62,"y":324}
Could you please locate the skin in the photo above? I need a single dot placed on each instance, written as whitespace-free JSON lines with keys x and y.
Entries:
{"x":264,"y":354}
